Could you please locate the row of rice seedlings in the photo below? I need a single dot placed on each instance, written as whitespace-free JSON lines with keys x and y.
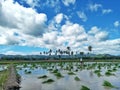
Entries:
{"x":109,"y":73}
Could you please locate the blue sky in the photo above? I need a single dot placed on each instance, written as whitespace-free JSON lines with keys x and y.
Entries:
{"x":32,"y":26}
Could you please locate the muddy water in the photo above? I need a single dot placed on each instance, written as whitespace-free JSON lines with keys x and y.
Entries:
{"x":87,"y":78}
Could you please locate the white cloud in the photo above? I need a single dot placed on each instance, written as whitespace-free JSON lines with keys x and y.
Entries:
{"x":101,"y":36}
{"x":59,"y":18}
{"x":96,"y":34}
{"x":32,"y":3}
{"x":106,"y":11}
{"x":74,"y":34}
{"x":94,"y":30}
{"x":82,"y":15}
{"x":24,"y":19}
{"x":11,"y":52}
{"x":116,"y":23}
{"x":108,"y":47}
{"x":94,"y":7}
{"x":68,"y":2}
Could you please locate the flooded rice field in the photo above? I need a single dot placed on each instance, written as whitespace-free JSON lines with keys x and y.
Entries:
{"x":69,"y":76}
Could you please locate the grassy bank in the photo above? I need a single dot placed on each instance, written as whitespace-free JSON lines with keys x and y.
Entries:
{"x":3,"y":78}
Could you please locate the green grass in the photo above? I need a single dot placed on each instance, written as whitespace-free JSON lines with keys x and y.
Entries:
{"x":44,"y":76}
{"x":77,"y":78}
{"x":3,"y":76}
{"x":84,"y":88}
{"x":48,"y":81}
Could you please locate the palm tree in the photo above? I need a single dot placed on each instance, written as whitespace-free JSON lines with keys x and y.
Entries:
{"x":59,"y":55}
{"x":72,"y":53}
{"x":90,"y":48}
{"x":40,"y":53}
{"x":68,"y":50}
{"x":50,"y":51}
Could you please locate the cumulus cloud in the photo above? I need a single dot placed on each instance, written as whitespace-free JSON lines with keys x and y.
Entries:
{"x":74,"y":34}
{"x":68,"y":2}
{"x":116,"y":23}
{"x":97,"y":34}
{"x":82,"y":15}
{"x":24,"y":19}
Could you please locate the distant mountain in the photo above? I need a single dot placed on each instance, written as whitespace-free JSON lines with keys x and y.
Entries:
{"x":1,"y":55}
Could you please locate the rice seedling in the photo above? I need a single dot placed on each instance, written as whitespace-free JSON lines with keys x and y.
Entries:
{"x":108,"y":73}
{"x":114,"y":69}
{"x":77,"y":78}
{"x":44,"y":76}
{"x":58,"y":75}
{"x":27,"y":72}
{"x":108,"y":84}
{"x":71,"y":73}
{"x":97,"y":72}
{"x":48,"y":81}
{"x":84,"y":88}
{"x":55,"y":71}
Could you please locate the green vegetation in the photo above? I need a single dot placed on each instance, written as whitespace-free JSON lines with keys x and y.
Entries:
{"x":55,"y":71}
{"x":108,"y":84}
{"x":77,"y":78}
{"x":97,"y":72}
{"x":71,"y":73}
{"x":48,"y":81}
{"x":27,"y":72}
{"x":44,"y":76}
{"x":3,"y":78}
{"x":108,"y":73}
{"x":58,"y":75}
{"x":84,"y":88}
